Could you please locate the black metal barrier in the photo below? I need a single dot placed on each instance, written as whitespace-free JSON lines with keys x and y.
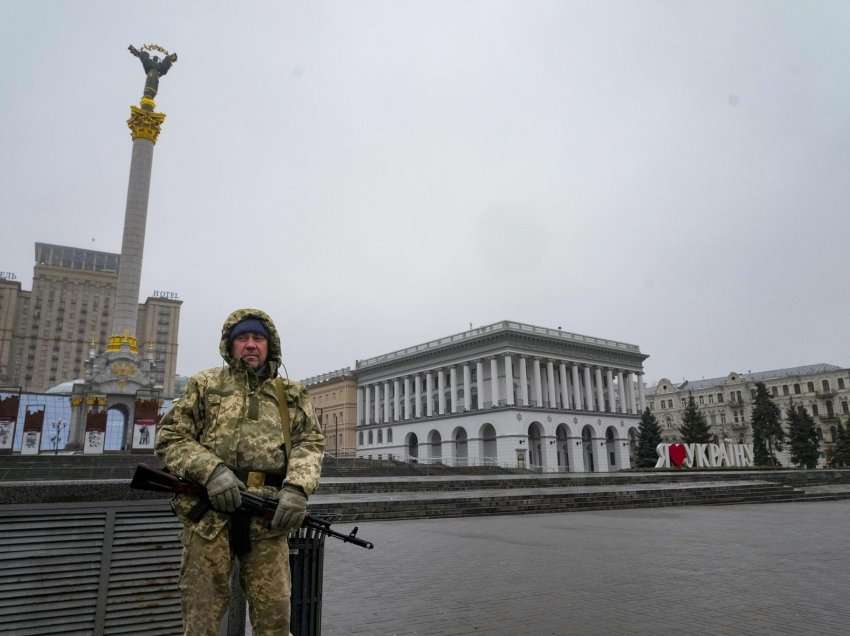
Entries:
{"x":112,"y":567}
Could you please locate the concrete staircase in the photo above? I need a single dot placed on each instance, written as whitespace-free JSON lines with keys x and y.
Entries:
{"x":404,"y":505}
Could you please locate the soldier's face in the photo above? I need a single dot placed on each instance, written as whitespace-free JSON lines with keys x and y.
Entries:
{"x":253,"y":348}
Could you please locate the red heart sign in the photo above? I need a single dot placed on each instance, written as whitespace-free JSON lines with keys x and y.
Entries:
{"x":678,"y":453}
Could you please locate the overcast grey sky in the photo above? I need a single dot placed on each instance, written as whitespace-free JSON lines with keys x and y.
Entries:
{"x":377,"y":174}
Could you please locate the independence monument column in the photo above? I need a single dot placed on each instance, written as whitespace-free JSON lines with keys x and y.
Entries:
{"x":144,"y":126}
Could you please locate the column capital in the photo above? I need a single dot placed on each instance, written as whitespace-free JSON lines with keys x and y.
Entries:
{"x":144,"y":123}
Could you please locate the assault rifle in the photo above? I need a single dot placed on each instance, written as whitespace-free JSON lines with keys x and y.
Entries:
{"x":146,"y":478}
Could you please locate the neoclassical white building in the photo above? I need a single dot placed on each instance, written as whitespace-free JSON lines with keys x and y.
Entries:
{"x":507,"y":393}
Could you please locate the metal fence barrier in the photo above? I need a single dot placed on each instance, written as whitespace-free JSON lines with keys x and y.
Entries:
{"x":112,"y":567}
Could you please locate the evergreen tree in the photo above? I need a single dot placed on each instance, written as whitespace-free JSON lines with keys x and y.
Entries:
{"x":841,"y":450}
{"x":802,"y":436}
{"x":767,"y":428}
{"x":694,"y":429}
{"x":649,"y":436}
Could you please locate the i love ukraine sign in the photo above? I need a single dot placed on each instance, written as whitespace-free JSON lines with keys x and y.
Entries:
{"x":704,"y":455}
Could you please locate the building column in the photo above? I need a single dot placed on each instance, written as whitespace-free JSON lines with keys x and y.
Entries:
{"x":577,"y":403}
{"x":387,"y":403}
{"x":441,"y":392}
{"x":630,"y":394}
{"x":538,"y":384}
{"x":377,"y":404}
{"x":467,"y":387}
{"x":453,"y":387}
{"x":641,"y":396}
{"x":550,"y":377}
{"x":367,"y":403}
{"x":429,"y":394}
{"x":565,"y":389}
{"x":523,"y":381}
{"x":612,"y":401}
{"x":359,"y":419}
{"x":494,"y":381}
{"x":600,"y":396}
{"x":396,"y":401}
{"x":479,"y":380}
{"x":509,"y":380}
{"x":406,"y":397}
{"x":588,"y":390}
{"x":417,"y":395}
{"x":622,"y":387}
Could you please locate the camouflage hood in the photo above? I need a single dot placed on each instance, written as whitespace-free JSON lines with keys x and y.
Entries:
{"x":275,"y":351}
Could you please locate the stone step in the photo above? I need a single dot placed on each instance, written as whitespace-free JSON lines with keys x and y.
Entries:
{"x":493,"y":506}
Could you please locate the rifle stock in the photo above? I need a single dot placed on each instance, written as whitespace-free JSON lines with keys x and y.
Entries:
{"x":147,"y":478}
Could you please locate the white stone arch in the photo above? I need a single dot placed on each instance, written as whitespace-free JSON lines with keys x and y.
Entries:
{"x":461,"y":446}
{"x":613,"y":448}
{"x":411,"y":444}
{"x":117,"y":423}
{"x":536,"y":458}
{"x":587,"y":435}
{"x":562,"y":447}
{"x":489,"y":448}
{"x":435,"y":446}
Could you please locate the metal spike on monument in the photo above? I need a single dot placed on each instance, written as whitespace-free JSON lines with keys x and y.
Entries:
{"x":120,"y":374}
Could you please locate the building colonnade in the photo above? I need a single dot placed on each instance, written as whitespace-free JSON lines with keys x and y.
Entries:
{"x":469,"y":386}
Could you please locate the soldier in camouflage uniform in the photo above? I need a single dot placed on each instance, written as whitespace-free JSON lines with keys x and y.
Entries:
{"x":226,"y":432}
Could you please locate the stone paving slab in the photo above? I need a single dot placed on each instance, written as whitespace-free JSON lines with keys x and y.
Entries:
{"x":747,"y":570}
{"x":524,"y":492}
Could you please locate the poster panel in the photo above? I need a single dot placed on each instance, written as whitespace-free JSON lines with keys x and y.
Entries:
{"x":33,"y":424}
{"x":9,"y":404}
{"x":95,"y":436}
{"x":144,"y":426}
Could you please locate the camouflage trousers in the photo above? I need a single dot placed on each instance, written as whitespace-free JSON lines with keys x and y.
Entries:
{"x":204,"y":584}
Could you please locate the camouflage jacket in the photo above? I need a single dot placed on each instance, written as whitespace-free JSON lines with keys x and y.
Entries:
{"x":229,"y":415}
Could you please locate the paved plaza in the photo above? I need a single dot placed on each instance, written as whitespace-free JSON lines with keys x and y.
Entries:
{"x":771,"y":569}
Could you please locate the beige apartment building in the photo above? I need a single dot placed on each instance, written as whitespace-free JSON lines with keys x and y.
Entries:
{"x":334,"y":396}
{"x":47,"y":334}
{"x":823,"y":389}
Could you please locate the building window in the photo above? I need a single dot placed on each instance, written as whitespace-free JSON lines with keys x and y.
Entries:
{"x":720,"y":398}
{"x":810,"y":386}
{"x":815,"y":410}
{"x":830,"y":409}
{"x":683,"y":402}
{"x":389,"y":435}
{"x":825,"y":385}
{"x":701,"y":401}
{"x":739,"y":396}
{"x":841,"y":383}
{"x":711,"y":398}
{"x":784,"y":389}
{"x":380,"y":436}
{"x":774,"y":391}
{"x":845,"y":408}
{"x":371,"y":438}
{"x":723,"y":418}
{"x":360,"y":438}
{"x":796,"y":389}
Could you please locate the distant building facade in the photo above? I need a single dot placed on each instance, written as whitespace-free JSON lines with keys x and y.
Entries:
{"x":334,"y":397}
{"x":823,"y":389}
{"x":507,"y":393}
{"x":47,"y":334}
